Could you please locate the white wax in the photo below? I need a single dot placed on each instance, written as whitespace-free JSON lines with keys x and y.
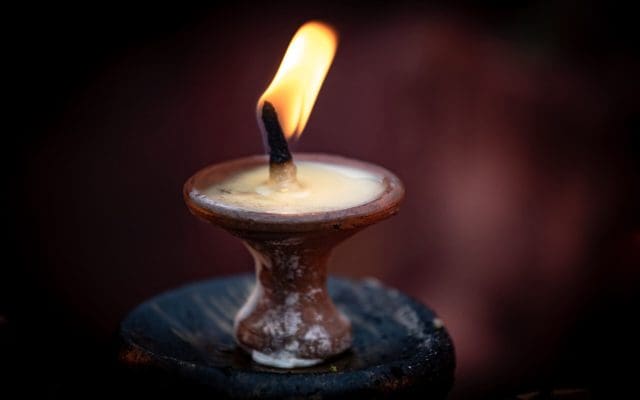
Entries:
{"x":283,"y":359}
{"x":322,"y":187}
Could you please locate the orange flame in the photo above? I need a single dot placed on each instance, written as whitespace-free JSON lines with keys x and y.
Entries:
{"x":295,"y":87}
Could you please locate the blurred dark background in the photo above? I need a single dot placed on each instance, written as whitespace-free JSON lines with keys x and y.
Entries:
{"x":513,"y":127}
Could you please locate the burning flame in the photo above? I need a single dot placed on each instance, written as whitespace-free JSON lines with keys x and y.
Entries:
{"x":295,"y":87}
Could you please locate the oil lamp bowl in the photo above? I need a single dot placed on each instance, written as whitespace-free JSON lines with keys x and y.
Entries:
{"x":289,"y":319}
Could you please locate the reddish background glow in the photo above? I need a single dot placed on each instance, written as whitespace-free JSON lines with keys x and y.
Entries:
{"x":520,"y":224}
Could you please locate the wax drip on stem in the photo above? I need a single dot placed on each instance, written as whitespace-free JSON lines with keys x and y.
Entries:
{"x":282,"y":170}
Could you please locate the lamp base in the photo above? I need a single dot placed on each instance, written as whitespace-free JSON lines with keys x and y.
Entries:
{"x":182,"y":341}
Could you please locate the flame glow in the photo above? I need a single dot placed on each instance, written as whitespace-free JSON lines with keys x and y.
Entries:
{"x":295,"y":87}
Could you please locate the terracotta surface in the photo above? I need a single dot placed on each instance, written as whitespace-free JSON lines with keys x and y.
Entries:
{"x":290,"y":310}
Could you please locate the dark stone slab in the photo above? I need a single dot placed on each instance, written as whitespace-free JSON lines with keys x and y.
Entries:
{"x":182,"y":342}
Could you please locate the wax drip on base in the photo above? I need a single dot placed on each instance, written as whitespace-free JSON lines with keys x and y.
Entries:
{"x":283,"y":359}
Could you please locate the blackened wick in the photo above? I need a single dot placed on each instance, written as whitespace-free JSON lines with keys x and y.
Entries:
{"x":278,"y":147}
